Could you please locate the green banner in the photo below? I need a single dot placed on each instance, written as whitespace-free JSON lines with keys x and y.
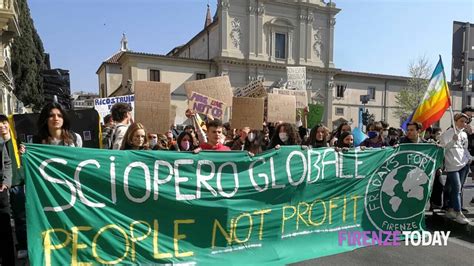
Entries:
{"x":286,"y":205}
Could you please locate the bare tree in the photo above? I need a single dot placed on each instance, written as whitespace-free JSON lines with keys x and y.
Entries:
{"x":409,"y":97}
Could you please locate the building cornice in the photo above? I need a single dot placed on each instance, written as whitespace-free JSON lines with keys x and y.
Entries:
{"x":158,"y":56}
{"x":271,"y":65}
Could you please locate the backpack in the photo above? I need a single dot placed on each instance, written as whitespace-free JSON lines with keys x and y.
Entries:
{"x":110,"y":137}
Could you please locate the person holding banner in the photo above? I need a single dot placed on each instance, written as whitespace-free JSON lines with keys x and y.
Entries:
{"x":456,"y":161}
{"x":254,"y":142}
{"x":185,"y":142}
{"x":213,"y":135}
{"x":7,"y":251}
{"x":285,"y":134}
{"x":318,"y":137}
{"x":343,"y":127}
{"x":135,"y":138}
{"x":54,"y":127}
{"x":413,"y":133}
{"x":345,"y":141}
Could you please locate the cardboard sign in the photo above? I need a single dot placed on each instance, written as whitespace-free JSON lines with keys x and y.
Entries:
{"x":103,"y":105}
{"x":152,"y":104}
{"x":247,"y":112}
{"x":281,"y":108}
{"x":203,"y":104}
{"x":296,"y":77}
{"x":301,"y":96}
{"x":254,"y":89}
{"x":218,"y":88}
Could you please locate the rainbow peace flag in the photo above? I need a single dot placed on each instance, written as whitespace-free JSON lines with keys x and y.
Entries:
{"x":435,"y":101}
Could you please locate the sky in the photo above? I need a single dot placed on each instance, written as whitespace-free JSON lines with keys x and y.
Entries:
{"x":376,"y":36}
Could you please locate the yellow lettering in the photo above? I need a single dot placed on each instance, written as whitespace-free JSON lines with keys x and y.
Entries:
{"x":299,"y":214}
{"x":228,"y":236}
{"x":76,"y":245}
{"x":136,"y":239}
{"x":178,"y":237}
{"x":354,"y":198}
{"x":332,"y":206}
{"x":96,"y":237}
{"x":237,"y":240}
{"x":344,"y":209}
{"x":156,"y":252}
{"x":311,"y":210}
{"x":262,"y":213}
{"x":285,"y":218}
{"x":48,"y":246}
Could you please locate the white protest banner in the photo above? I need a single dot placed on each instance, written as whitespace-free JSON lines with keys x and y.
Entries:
{"x":103,"y":105}
{"x":296,"y":77}
{"x":206,"y":105}
{"x":301,"y":96}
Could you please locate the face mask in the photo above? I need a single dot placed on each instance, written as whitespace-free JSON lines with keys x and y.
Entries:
{"x":185,"y":145}
{"x":385,"y":133}
{"x":153,"y":142}
{"x":251,"y":137}
{"x":372,"y":134}
{"x":299,"y":123}
{"x":283,"y":136}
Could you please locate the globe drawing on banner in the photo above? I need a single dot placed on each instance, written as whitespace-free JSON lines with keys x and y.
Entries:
{"x":403,"y":184}
{"x":395,"y":186}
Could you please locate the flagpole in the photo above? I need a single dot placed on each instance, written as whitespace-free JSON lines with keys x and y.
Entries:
{"x":450,"y":99}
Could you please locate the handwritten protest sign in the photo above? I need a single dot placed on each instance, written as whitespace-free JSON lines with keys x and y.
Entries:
{"x":206,"y":105}
{"x":247,"y":112}
{"x":301,"y":96}
{"x":281,"y":108}
{"x":254,"y":89}
{"x":152,"y":104}
{"x":162,"y":207}
{"x":218,"y":88}
{"x":103,"y":105}
{"x":296,"y":77}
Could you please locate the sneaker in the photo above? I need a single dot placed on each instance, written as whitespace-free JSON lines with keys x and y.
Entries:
{"x":22,"y":254}
{"x":451,"y":214}
{"x":461,"y":219}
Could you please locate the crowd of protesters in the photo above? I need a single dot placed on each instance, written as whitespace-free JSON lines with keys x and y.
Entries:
{"x":200,"y":133}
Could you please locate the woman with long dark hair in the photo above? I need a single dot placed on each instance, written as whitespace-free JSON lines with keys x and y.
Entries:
{"x":318,"y":137}
{"x":54,"y":127}
{"x":255,"y":142}
{"x":285,"y":134}
{"x":185,"y":142}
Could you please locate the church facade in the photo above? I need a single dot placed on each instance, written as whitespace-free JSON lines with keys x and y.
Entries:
{"x":258,"y":39}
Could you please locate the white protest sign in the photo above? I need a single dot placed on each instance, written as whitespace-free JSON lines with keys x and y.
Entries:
{"x":296,"y":77}
{"x":103,"y":105}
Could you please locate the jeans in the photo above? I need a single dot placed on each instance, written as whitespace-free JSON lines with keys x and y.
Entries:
{"x":456,"y":181}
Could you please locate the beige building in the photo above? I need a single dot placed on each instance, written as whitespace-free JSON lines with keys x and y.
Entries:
{"x":252,"y":39}
{"x":9,"y":28}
